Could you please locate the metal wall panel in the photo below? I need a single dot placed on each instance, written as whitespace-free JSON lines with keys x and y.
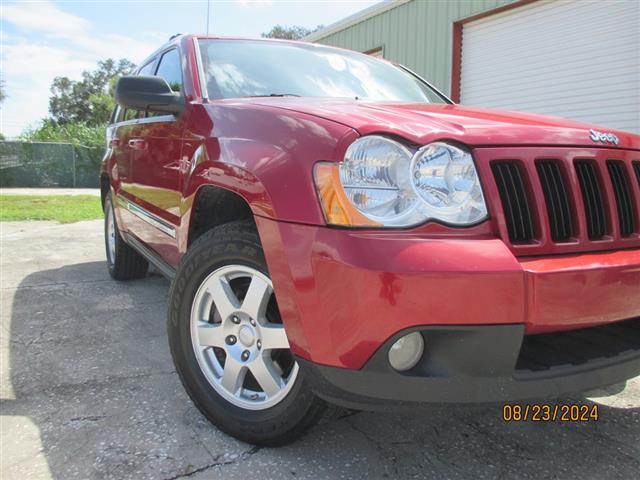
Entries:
{"x":417,"y":34}
{"x":575,"y":59}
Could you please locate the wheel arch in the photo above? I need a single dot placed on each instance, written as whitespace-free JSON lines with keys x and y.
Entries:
{"x":214,"y":205}
{"x":105,"y":186}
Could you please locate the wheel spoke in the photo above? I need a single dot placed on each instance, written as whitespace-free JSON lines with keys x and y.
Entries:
{"x":224,"y":299}
{"x":265,"y":373}
{"x":211,"y":336}
{"x":233,"y":374}
{"x":273,"y":336}
{"x":257,"y":297}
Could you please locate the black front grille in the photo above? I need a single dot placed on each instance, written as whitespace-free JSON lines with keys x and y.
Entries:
{"x":592,"y":197}
{"x":622,"y":192}
{"x":555,"y":195}
{"x":636,"y":168}
{"x":514,"y":201}
{"x":576,"y":347}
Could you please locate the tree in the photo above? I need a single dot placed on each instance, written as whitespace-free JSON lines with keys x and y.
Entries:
{"x":76,"y":133}
{"x":3,"y":96}
{"x":90,"y":100}
{"x":80,"y":109}
{"x":295,"y":32}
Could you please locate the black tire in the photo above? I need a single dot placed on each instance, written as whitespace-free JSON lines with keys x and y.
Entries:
{"x":126,"y":264}
{"x":235,"y":243}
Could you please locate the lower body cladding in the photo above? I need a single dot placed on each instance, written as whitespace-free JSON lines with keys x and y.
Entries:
{"x":486,"y":364}
{"x":493,"y":327}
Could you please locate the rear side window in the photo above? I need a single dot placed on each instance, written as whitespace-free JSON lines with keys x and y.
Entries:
{"x":171,"y":70}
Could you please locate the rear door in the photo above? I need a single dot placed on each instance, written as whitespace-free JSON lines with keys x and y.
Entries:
{"x":155,"y":143}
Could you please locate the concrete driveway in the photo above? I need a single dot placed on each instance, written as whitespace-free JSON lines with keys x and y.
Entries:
{"x":89,"y":391}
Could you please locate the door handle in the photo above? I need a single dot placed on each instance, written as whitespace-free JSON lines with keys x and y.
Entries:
{"x":137,"y":144}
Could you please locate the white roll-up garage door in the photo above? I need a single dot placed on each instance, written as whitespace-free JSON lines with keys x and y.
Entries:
{"x":575,"y":59}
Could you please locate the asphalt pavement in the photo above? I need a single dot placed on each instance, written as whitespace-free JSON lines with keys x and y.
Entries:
{"x":88,"y":390}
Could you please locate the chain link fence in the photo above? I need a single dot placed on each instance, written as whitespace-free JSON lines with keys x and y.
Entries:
{"x":43,"y":164}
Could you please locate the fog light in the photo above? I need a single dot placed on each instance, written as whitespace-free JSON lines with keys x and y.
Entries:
{"x":406,"y":352}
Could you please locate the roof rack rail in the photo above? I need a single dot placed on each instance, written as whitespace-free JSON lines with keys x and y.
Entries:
{"x":174,"y":36}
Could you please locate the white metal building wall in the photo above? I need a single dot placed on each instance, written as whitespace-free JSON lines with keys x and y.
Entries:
{"x":576,"y":59}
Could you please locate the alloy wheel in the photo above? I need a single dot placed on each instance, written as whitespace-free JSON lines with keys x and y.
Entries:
{"x":239,"y":339}
{"x":111,"y":235}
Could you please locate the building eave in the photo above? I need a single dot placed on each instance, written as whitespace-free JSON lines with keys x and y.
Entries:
{"x":357,"y":17}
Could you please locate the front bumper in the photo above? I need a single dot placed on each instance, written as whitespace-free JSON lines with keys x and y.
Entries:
{"x":343,"y":294}
{"x":496,"y":327}
{"x":469,"y":364}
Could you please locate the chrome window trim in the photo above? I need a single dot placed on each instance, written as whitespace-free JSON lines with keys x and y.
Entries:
{"x":156,"y":119}
{"x":201,"y":75}
{"x":147,"y":216}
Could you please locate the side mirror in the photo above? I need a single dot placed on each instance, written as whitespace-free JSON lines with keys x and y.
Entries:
{"x":148,"y":93}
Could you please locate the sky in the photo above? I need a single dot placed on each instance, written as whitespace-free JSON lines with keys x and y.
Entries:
{"x":40,"y":40}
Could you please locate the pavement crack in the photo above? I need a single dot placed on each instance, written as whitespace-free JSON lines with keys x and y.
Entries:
{"x":90,"y":418}
{"x":215,"y":464}
{"x":56,"y":284}
{"x":73,"y":388}
{"x":347,"y":414}
{"x":382,"y":449}
{"x":195,"y":471}
{"x":204,"y":445}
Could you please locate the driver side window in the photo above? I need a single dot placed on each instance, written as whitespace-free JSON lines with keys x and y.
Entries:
{"x":130,"y":114}
{"x":170,"y":69}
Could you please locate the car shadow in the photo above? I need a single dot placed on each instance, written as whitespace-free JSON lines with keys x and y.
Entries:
{"x":91,"y":370}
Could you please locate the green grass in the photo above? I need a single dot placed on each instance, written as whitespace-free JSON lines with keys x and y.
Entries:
{"x":61,"y":208}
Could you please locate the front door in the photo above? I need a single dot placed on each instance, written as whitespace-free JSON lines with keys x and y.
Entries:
{"x":155,"y":143}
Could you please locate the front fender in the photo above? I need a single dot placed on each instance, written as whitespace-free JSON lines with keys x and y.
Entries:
{"x":267,"y":156}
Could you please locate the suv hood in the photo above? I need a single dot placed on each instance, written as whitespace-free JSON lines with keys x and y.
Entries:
{"x":424,"y":123}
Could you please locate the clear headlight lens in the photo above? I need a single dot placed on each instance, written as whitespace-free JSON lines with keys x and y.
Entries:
{"x":383,"y":183}
{"x":445,"y":178}
{"x":376,"y":179}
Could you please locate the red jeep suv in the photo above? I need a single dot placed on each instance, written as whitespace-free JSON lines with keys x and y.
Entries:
{"x":335,"y":229}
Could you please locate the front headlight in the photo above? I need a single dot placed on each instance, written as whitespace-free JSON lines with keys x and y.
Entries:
{"x":445,"y":178}
{"x":381,"y":183}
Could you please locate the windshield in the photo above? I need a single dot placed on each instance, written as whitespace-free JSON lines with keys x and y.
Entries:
{"x":248,"y":68}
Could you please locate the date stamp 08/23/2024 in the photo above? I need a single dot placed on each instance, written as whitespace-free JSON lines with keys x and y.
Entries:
{"x":541,"y":412}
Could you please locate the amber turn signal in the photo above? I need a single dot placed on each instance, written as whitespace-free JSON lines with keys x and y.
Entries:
{"x":338,"y":210}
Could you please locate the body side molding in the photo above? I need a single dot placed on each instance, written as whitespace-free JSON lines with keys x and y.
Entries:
{"x":152,"y":257}
{"x":147,"y":216}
